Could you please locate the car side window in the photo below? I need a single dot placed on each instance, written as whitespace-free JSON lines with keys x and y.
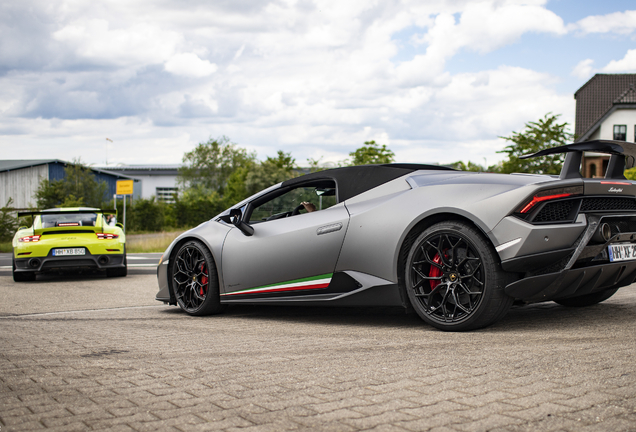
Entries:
{"x":290,"y":203}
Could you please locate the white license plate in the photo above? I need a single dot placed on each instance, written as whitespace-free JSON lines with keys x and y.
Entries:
{"x":622,"y":252}
{"x":69,"y":251}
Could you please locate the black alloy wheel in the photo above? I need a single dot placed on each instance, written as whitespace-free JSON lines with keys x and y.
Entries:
{"x":453,"y":278}
{"x":194,"y":280}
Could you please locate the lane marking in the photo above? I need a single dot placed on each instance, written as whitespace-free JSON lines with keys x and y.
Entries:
{"x":80,"y":311}
{"x":141,"y":258}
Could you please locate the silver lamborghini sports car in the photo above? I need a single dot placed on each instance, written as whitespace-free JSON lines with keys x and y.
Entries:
{"x":457,"y":247}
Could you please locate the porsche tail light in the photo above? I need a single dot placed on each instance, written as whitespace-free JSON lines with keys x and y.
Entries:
{"x":29,"y":239}
{"x":102,"y":236}
{"x":549,"y":194}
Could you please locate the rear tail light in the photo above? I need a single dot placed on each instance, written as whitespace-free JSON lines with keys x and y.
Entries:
{"x":547,"y":195}
{"x":29,"y":239}
{"x":101,"y":236}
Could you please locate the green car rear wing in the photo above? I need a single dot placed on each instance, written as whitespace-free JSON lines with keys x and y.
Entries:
{"x":50,"y":212}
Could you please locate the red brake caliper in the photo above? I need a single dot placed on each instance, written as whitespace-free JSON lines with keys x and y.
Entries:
{"x":435,"y":271}
{"x":204,"y":279}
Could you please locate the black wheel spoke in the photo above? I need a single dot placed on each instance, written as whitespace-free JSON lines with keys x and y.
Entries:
{"x":191,"y":278}
{"x":446,"y":276}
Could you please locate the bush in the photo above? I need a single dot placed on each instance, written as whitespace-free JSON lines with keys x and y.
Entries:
{"x":196,"y":205}
{"x":8,"y":221}
{"x":146,"y":215}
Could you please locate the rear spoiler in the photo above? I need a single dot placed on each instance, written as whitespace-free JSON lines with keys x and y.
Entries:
{"x":48,"y":212}
{"x":623,"y":156}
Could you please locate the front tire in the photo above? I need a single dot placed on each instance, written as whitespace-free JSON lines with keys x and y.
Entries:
{"x":454,"y":279}
{"x":588,"y":299}
{"x":194,"y":280}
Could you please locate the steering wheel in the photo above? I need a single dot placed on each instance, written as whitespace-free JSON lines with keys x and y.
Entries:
{"x":297,"y":210}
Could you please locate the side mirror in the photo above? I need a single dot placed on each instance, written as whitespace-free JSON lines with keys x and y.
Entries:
{"x":120,"y":225}
{"x":22,"y":227}
{"x":236,"y":217}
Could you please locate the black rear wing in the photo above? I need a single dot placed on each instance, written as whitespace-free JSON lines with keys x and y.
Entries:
{"x":623,"y":156}
{"x":48,"y":212}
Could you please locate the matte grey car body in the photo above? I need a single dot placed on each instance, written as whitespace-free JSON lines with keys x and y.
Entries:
{"x":458,"y":247}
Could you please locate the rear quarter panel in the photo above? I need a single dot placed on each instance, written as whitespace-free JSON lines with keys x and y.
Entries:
{"x":381,"y":218}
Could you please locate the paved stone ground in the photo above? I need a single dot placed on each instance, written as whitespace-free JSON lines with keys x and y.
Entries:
{"x":90,"y":353}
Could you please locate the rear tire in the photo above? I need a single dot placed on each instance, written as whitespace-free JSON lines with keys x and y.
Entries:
{"x":454,"y":279}
{"x":588,"y":299}
{"x":22,"y":276}
{"x":194,"y":280}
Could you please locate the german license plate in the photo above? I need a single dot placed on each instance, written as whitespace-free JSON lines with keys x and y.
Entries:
{"x":622,"y":252}
{"x":69,"y":251}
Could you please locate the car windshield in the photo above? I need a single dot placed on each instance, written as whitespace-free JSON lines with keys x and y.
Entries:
{"x":66,"y":220}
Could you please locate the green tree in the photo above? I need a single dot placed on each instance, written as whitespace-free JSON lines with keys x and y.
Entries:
{"x":372,"y":153}
{"x":236,"y":189}
{"x":8,"y":221}
{"x":630,"y":174}
{"x":474,"y":167}
{"x":271,"y":171}
{"x":78,"y":187}
{"x":542,"y":134}
{"x":146,"y":215}
{"x":195,"y":205}
{"x":210,"y":164}
{"x":314,"y":164}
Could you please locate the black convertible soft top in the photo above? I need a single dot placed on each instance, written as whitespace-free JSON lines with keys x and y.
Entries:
{"x":354,"y":180}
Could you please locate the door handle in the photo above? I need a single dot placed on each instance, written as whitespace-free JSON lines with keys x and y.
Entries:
{"x":329,"y":228}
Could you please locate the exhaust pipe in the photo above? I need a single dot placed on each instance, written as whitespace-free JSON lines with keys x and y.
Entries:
{"x":34,"y":263}
{"x":602,"y":234}
{"x":103,"y":260}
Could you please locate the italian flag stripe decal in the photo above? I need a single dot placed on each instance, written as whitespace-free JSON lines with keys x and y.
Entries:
{"x":314,"y":282}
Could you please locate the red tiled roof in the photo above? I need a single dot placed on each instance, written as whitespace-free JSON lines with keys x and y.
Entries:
{"x":597,"y":96}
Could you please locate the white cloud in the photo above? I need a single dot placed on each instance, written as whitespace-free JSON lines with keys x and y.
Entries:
{"x":583,"y":69}
{"x":626,"y":64}
{"x":314,"y":78}
{"x":483,"y":27}
{"x":190,"y":65}
{"x":138,"y":44}
{"x":617,"y":22}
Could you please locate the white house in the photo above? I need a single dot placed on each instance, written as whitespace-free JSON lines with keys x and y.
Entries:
{"x":159,"y":181}
{"x":605,"y":109}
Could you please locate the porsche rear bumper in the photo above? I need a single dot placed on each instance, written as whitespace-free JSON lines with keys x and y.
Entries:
{"x":43,"y":264}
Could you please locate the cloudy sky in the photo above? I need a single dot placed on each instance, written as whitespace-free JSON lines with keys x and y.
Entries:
{"x":435,"y":80}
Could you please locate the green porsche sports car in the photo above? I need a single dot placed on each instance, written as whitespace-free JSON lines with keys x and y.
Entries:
{"x":69,"y":238}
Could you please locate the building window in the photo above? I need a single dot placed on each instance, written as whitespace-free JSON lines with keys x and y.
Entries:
{"x":620,"y":132}
{"x":166,"y":194}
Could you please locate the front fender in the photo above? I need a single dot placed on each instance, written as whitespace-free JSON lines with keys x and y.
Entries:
{"x":212,"y":234}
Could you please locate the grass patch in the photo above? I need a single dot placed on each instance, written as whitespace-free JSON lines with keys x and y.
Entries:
{"x":6,"y":247}
{"x":153,"y":242}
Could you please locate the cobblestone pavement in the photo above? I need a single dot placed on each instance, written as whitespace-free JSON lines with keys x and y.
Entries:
{"x":90,"y":353}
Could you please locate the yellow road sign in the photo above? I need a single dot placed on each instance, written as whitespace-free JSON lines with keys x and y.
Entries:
{"x":124,"y":187}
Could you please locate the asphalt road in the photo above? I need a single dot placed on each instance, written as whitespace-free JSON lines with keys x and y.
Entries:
{"x":86,"y":352}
